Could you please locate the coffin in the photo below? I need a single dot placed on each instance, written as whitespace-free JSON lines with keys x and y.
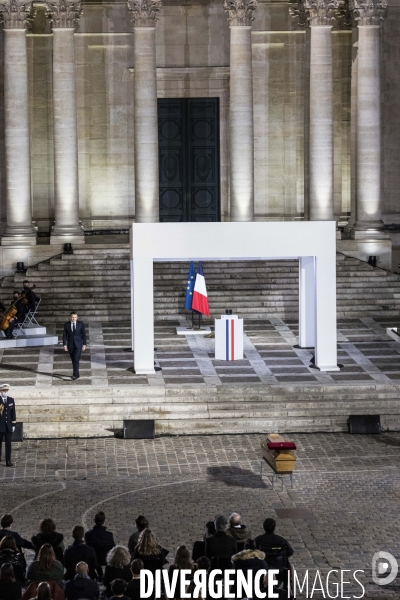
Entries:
{"x":281,"y":460}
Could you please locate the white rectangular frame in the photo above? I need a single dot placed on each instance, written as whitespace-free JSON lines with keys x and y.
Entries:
{"x":312,"y":242}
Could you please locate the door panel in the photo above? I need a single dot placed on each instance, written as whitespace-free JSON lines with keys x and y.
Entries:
{"x":189,"y":159}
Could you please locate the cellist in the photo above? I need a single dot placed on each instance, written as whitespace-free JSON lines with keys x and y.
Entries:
{"x":21,"y":306}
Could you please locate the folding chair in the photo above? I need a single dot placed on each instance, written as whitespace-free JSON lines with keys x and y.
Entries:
{"x":30,"y":319}
{"x":276,"y":558}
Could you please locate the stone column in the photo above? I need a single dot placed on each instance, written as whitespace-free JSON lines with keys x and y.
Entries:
{"x":320,"y":14}
{"x":368,"y":14}
{"x":144,"y":14}
{"x":19,"y":229}
{"x":353,"y":130}
{"x":64,"y":15}
{"x":240,"y":18}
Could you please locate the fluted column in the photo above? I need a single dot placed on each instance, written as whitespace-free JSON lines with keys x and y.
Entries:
{"x":19,"y":229}
{"x":64,"y":15}
{"x":240,"y":18}
{"x":319,"y":14}
{"x":368,"y":14}
{"x":144,"y":14}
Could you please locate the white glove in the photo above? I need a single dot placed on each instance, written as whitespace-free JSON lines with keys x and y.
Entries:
{"x":13,"y":429}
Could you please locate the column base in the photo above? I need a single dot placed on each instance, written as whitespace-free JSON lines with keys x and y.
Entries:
{"x":347,"y":229}
{"x":363,"y":248}
{"x":368,"y":230}
{"x":19,"y":236}
{"x":68,"y":234}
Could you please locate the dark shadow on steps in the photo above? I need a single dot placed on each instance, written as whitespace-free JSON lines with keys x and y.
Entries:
{"x":237,"y":477}
{"x":18,"y":368}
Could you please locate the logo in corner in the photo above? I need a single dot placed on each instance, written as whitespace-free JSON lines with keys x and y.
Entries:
{"x":384,"y":568}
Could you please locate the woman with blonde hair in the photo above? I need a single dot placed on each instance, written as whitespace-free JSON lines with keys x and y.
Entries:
{"x":149,"y":551}
{"x":117,"y":567}
{"x":46,"y":567}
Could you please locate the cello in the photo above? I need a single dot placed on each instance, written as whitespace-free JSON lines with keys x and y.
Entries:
{"x":10,"y":313}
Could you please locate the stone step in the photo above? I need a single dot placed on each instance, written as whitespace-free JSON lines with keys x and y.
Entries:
{"x":96,"y":281}
{"x":84,"y":411}
{"x":214,"y":271}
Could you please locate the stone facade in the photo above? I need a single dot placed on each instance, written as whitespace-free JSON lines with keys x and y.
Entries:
{"x":192,"y":46}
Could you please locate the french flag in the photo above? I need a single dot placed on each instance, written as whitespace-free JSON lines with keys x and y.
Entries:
{"x":200,"y":298}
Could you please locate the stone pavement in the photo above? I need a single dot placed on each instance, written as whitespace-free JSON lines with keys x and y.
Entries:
{"x":366,"y":353}
{"x":349,"y":486}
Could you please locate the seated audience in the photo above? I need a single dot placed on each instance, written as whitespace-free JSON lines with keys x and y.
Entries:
{"x":141,"y":523}
{"x":101,"y":540}
{"x":204,"y":563}
{"x":118,"y":567}
{"x":182,"y":561}
{"x":9,"y":554}
{"x":79,"y":552}
{"x":118,"y":587}
{"x":269,"y":538}
{"x":43,"y":592}
{"x":10,"y":588}
{"x":250,"y":559}
{"x":277,"y":549}
{"x":6,"y":523}
{"x":133,"y":587}
{"x":46,"y":567}
{"x":48,"y":535}
{"x":149,"y":551}
{"x":237,"y":529}
{"x":210,"y":530}
{"x":220,"y":545}
{"x":81,"y":586}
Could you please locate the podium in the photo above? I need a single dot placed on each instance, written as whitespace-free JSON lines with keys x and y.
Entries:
{"x":229,"y":338}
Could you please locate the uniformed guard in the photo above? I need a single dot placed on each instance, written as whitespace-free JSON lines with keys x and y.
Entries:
{"x":7,"y":421}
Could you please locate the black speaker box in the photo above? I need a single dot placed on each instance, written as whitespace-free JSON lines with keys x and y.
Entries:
{"x":138,"y":429}
{"x":364,"y":424}
{"x":18,"y":435}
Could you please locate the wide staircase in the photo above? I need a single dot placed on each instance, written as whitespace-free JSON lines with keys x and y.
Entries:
{"x":95,"y":281}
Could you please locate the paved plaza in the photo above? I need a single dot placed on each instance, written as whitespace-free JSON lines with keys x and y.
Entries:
{"x":348,"y":485}
{"x":272,"y":356}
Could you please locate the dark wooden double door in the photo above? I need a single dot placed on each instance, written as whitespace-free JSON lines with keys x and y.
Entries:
{"x":188,"y":138}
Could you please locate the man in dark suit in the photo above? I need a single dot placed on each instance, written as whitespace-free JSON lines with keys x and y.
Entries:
{"x":5,"y":524}
{"x":100,"y":540}
{"x":30,"y":295}
{"x":7,"y":421}
{"x":79,"y":552}
{"x":269,"y":538}
{"x":221,"y":544}
{"x":74,"y":341}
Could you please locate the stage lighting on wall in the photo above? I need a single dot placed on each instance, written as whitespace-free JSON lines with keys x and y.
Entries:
{"x":68,"y":248}
{"x":372,"y":261}
{"x":20,"y":267}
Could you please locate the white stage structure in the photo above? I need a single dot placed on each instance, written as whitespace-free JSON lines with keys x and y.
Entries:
{"x":312,"y":242}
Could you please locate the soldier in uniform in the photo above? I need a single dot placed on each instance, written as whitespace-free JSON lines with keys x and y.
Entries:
{"x":7,"y":421}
